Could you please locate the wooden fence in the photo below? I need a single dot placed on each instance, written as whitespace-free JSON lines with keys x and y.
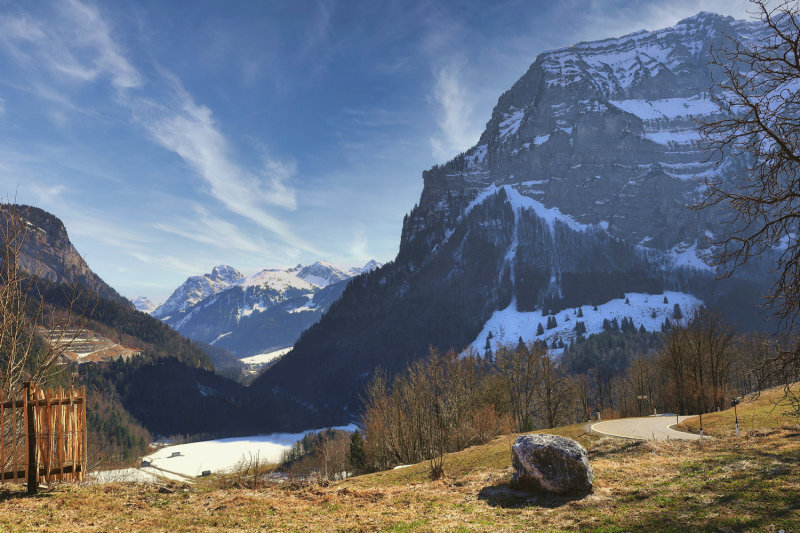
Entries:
{"x":43,"y":436}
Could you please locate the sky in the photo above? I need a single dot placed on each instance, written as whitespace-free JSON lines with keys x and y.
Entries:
{"x":174,"y":136}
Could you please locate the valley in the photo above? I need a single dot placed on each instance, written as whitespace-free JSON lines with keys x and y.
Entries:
{"x":617,"y":239}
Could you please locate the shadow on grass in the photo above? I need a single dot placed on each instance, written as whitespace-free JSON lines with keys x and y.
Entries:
{"x":614,"y":446}
{"x":502,"y":495}
{"x":17,"y":492}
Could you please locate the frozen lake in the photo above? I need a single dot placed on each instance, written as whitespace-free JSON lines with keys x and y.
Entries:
{"x":215,"y":455}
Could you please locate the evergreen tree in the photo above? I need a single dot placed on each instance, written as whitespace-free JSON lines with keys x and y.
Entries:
{"x":539,"y":329}
{"x":595,"y":308}
{"x":614,"y":324}
{"x":580,"y":312}
{"x":521,"y":344}
{"x":641,"y":329}
{"x":677,"y":314}
{"x":627,"y":301}
{"x":580,"y":328}
{"x":665,"y":300}
{"x":357,"y":455}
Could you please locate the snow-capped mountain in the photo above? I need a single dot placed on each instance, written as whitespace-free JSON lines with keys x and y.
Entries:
{"x":575,"y":196}
{"x":197,"y":288}
{"x":321,"y":273}
{"x":369,"y":267}
{"x":144,"y":304}
{"x":256,"y":314}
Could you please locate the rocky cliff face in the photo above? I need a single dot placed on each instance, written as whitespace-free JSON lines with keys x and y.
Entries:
{"x":575,"y":194}
{"x":606,"y":133}
{"x":48,"y":253}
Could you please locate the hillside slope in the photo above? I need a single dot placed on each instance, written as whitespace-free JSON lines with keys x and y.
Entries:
{"x":751,"y":484}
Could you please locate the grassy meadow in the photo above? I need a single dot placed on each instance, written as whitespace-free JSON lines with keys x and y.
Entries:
{"x":750,"y":483}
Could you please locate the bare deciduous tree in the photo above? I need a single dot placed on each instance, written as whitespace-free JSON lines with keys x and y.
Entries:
{"x":520,"y":370}
{"x":33,"y":337}
{"x":759,"y":84}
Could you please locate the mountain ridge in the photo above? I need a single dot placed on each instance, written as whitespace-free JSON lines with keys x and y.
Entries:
{"x":260,"y":313}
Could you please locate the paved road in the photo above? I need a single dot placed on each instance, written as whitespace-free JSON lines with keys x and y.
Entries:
{"x":646,"y":428}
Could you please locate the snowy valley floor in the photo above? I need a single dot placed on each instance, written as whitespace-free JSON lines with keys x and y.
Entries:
{"x":186,"y":462}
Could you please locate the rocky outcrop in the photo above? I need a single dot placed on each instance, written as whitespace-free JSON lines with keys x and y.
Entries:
{"x":48,"y":253}
{"x":550,"y":463}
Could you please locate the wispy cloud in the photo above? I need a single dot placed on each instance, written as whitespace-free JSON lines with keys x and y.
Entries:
{"x":80,"y":48}
{"x":46,"y":194}
{"x":358,"y":246}
{"x":189,"y":130}
{"x":214,"y":231}
{"x":457,"y":130}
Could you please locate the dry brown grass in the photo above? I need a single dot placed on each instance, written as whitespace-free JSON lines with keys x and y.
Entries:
{"x":727,"y":484}
{"x":763,"y":412}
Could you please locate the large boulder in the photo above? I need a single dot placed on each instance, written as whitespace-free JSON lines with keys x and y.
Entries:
{"x":549,"y":463}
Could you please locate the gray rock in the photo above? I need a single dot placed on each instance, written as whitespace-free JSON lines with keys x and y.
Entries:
{"x":549,"y":463}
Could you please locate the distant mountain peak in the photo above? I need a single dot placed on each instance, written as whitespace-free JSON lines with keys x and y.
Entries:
{"x":197,"y":288}
{"x":144,"y":304}
{"x":369,"y":266}
{"x":322,"y":274}
{"x":703,"y":18}
{"x":226,"y":273}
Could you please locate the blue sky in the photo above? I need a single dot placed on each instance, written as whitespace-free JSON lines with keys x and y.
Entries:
{"x":174,"y":136}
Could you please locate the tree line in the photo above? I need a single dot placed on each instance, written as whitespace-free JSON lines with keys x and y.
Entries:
{"x":446,"y":402}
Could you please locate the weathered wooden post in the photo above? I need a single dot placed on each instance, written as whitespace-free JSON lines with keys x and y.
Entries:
{"x":30,"y":422}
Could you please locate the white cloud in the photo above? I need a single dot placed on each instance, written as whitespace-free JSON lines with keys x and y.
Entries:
{"x":455,"y":121}
{"x":46,"y":194}
{"x":189,"y":130}
{"x":358,"y":246}
{"x":79,"y":48}
{"x":208,"y":229}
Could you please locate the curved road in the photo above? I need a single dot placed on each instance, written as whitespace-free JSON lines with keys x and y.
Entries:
{"x":645,"y":428}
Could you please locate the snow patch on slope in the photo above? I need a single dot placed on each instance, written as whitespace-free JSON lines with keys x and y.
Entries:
{"x":511,"y":123}
{"x":264,"y":358}
{"x":509,"y":324}
{"x":519,"y":202}
{"x":698,"y":105}
{"x":688,"y":256}
{"x":278,"y":280}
